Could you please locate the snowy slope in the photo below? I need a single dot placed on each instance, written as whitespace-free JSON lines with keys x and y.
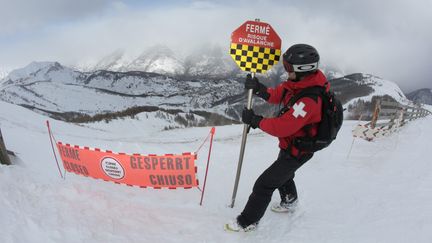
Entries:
{"x":380,"y":193}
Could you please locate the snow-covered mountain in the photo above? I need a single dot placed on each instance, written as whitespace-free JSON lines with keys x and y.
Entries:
{"x":64,"y":92}
{"x":357,"y":86}
{"x":423,"y":96}
{"x":332,"y":72}
{"x":204,"y":62}
{"x":4,"y":72}
{"x":72,"y":95}
{"x":212,"y":62}
{"x":115,"y":61}
{"x":159,"y":59}
{"x":208,"y":62}
{"x":359,"y":91}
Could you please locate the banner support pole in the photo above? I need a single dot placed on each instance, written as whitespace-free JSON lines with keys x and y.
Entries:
{"x":208,"y":162}
{"x":52,"y":145}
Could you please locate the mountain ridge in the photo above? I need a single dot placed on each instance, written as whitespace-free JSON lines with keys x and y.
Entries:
{"x":422,"y":96}
{"x":69,"y":94}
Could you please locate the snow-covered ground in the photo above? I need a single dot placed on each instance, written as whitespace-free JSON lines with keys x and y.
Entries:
{"x":381,"y":192}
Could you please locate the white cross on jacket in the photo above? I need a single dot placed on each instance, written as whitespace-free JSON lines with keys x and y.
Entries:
{"x":298,"y":110}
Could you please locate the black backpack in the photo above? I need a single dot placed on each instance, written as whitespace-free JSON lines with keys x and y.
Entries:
{"x":331,"y":120}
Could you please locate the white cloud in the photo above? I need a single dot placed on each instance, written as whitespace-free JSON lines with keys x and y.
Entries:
{"x":26,"y":15}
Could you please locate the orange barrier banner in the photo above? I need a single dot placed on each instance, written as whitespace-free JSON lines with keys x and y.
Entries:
{"x":157,"y":171}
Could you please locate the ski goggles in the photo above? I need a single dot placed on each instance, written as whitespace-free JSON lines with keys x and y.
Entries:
{"x":300,"y":67}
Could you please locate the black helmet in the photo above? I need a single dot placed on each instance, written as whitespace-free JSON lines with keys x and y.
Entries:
{"x":302,"y":59}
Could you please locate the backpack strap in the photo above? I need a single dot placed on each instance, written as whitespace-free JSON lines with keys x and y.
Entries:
{"x":311,"y":92}
{"x":284,"y":92}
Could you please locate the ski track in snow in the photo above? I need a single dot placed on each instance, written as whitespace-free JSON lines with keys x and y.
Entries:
{"x":381,"y":192}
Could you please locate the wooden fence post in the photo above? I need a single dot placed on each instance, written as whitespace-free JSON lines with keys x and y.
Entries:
{"x":376,"y":113}
{"x":4,"y":158}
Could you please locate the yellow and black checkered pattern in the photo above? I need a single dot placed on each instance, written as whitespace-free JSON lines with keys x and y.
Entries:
{"x":254,"y":59}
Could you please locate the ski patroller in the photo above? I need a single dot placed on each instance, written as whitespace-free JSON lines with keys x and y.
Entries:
{"x":255,"y":47}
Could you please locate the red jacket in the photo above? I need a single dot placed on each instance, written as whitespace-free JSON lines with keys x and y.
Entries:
{"x":305,"y":111}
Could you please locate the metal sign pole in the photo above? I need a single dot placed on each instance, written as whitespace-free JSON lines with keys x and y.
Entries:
{"x":254,"y":56}
{"x":242,"y":148}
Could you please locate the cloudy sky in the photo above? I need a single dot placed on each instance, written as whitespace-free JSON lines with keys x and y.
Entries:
{"x":391,"y":39}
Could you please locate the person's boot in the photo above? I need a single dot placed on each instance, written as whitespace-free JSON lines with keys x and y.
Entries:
{"x":236,"y":226}
{"x":287,"y":205}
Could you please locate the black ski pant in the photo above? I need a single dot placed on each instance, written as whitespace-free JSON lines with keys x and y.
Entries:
{"x":280,"y":175}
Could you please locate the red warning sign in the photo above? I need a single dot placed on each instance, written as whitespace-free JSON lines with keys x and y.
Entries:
{"x":170,"y":171}
{"x":255,"y":47}
{"x":255,"y":33}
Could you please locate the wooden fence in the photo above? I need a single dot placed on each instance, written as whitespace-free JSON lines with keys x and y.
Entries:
{"x":388,"y":117}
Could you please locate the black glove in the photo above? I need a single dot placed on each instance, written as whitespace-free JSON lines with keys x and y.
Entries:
{"x":249,"y":117}
{"x":258,"y":88}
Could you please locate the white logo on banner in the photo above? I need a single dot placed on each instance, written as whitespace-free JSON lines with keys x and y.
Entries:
{"x":298,"y":110}
{"x":112,"y":168}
